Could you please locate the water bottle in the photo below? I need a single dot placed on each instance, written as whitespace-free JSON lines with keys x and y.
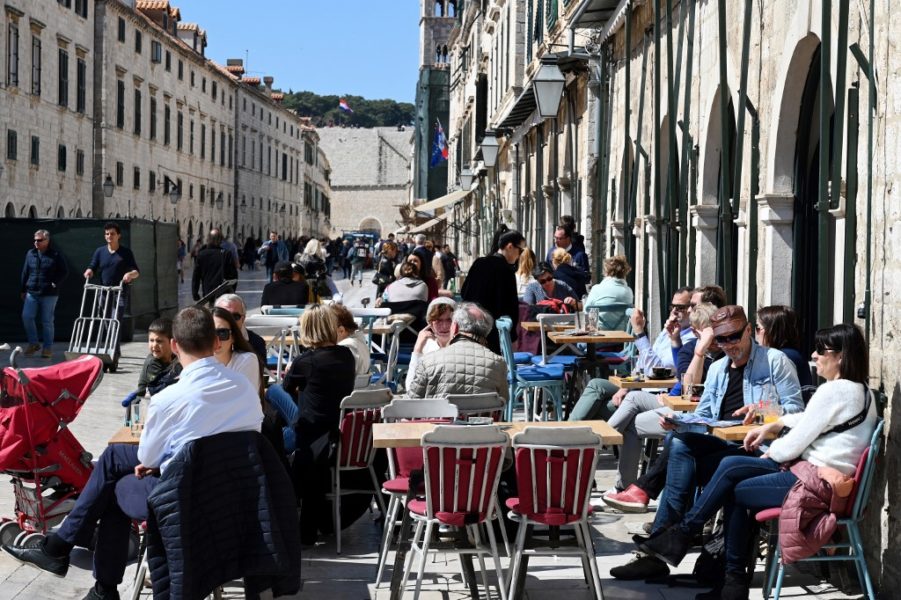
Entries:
{"x":136,"y":416}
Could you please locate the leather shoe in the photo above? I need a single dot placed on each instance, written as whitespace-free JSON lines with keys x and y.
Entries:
{"x":631,"y":500}
{"x":669,"y":545}
{"x":37,"y":557}
{"x":641,"y":567}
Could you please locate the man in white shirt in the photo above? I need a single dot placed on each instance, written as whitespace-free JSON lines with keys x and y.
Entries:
{"x":208,"y":399}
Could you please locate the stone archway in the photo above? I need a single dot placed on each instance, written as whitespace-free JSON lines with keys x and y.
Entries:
{"x":32,"y":212}
{"x":10,"y":211}
{"x":777,"y":205}
{"x":371,"y":224}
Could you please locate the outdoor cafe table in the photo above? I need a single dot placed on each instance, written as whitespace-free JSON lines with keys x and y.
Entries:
{"x":646,"y":383}
{"x":678,"y":404}
{"x":125,"y":436}
{"x":409,"y":435}
{"x":736,"y":433}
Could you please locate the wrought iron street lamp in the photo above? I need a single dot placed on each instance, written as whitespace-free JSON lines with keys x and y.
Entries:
{"x":466,"y":177}
{"x":489,"y":149}
{"x":548,"y":87}
{"x":108,"y":186}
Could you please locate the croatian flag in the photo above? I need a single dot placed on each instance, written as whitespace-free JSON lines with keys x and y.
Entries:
{"x":343,"y":105}
{"x":439,"y":148}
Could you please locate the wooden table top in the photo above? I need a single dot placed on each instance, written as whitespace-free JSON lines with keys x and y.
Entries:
{"x":678,"y":404}
{"x":599,"y":337}
{"x":536,"y":326}
{"x":736,"y":433}
{"x":409,"y":434}
{"x":622,"y":382}
{"x":125,"y":436}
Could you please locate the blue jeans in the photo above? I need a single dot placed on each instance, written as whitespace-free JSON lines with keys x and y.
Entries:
{"x":112,"y":497}
{"x":357,"y":269}
{"x":45,"y":305}
{"x":693,"y":459}
{"x":741,"y":486}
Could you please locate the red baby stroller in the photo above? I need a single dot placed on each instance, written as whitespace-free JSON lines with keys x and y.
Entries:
{"x":49,"y":468}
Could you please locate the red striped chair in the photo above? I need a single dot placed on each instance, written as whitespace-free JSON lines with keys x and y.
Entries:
{"x":355,"y":452}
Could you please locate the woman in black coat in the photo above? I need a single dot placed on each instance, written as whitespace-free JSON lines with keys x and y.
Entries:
{"x":318,"y":379}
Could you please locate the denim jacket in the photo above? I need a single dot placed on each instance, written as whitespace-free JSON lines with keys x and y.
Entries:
{"x":765,"y":366}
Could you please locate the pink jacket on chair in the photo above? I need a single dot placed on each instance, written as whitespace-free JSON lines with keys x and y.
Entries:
{"x":811,"y":510}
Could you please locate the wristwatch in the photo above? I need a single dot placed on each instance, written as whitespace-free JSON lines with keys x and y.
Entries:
{"x":641,"y":335}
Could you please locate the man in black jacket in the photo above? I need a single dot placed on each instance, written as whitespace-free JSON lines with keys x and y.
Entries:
{"x":214,"y":265}
{"x":125,"y":474}
{"x":284,"y":291}
{"x":492,"y":284}
{"x":44,"y":269}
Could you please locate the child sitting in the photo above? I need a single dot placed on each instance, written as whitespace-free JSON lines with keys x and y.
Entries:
{"x":161,"y":367}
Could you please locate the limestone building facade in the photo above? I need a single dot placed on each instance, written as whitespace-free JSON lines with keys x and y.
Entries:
{"x":121,"y":91}
{"x":688,"y":137}
{"x":370,"y":176}
{"x":46,"y":99}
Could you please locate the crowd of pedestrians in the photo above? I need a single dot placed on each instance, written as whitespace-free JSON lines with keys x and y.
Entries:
{"x":736,"y":364}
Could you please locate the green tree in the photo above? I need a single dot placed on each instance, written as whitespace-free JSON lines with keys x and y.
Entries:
{"x":324,"y":111}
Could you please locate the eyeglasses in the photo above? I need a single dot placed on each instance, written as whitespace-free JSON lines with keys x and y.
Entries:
{"x":680,"y":307}
{"x":237,"y":316}
{"x":543,"y":280}
{"x":730,"y":338}
{"x":223,"y":333}
{"x":823,"y":350}
{"x":40,"y":241}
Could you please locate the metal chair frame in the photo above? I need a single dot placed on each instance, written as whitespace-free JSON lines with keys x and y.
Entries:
{"x":851,"y":523}
{"x":405,"y":409}
{"x":444,"y":450}
{"x":550,"y":451}
{"x":518,"y":385}
{"x":363,"y":407}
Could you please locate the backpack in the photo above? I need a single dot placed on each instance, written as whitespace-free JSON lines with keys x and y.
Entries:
{"x":361,"y":251}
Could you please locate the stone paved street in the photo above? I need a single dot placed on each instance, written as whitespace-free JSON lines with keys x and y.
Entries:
{"x":349,"y":576}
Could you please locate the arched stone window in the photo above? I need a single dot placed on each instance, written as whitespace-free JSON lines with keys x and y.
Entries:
{"x":10,"y":212}
{"x":60,"y":213}
{"x":439,"y":8}
{"x":32,"y":212}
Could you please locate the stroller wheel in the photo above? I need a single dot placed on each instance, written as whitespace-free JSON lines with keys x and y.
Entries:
{"x":29,"y":539}
{"x":9,"y":531}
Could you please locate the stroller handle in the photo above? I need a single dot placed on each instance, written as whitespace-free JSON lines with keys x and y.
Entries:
{"x":14,"y":357}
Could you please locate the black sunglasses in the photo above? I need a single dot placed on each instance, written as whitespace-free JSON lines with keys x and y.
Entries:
{"x":731,"y":338}
{"x":543,"y":280}
{"x":679,"y":306}
{"x":223,"y":333}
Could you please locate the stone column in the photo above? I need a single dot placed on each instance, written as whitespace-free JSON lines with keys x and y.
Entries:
{"x":618,"y":231}
{"x":777,"y":212}
{"x":705,"y":220}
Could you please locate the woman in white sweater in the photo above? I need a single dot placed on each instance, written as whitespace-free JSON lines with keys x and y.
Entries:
{"x":349,"y":335}
{"x":435,"y":335}
{"x":742,"y":485}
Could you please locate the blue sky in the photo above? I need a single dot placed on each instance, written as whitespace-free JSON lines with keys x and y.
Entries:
{"x":336,"y":47}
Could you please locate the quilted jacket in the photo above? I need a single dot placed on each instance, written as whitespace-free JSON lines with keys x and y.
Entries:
{"x":811,"y":509}
{"x":224,"y":509}
{"x":463,"y":367}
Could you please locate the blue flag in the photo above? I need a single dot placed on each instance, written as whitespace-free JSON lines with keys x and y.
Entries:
{"x":439,"y":147}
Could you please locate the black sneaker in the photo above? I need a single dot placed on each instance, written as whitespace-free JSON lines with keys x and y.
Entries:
{"x":670,"y":545}
{"x":735,"y":587}
{"x":100,"y":593}
{"x":37,"y":557}
{"x":641,"y":567}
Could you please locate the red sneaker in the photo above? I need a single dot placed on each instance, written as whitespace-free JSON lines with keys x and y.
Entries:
{"x":631,"y":500}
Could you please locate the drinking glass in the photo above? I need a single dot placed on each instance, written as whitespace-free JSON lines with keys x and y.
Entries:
{"x":687,"y":388}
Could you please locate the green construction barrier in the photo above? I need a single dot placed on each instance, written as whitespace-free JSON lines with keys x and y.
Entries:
{"x":153,"y":294}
